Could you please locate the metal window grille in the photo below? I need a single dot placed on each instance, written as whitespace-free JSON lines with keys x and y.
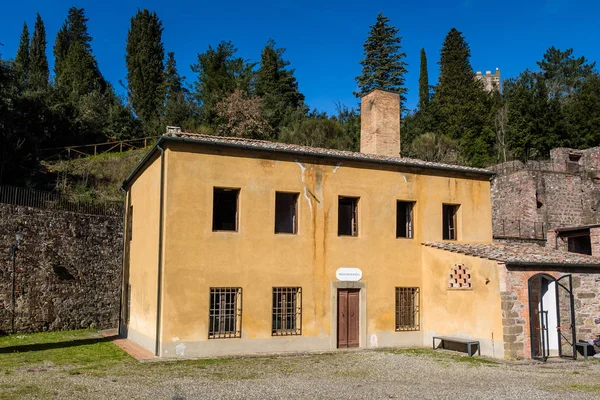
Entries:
{"x":287,"y":311}
{"x":407,"y":309}
{"x":225,"y":314}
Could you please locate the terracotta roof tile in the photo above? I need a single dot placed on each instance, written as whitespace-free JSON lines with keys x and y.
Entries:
{"x":516,"y":253}
{"x":316,"y":151}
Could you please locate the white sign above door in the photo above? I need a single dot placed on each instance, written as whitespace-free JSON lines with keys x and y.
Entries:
{"x":348,"y":274}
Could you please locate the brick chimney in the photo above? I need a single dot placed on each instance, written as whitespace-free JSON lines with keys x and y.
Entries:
{"x":380,"y":123}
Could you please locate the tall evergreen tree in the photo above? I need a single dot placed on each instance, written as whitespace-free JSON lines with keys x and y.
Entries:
{"x":460,"y":104}
{"x":564,"y":74}
{"x":177,"y":109}
{"x":22,"y":58}
{"x":278,"y":87}
{"x":145,"y":68}
{"x":38,"y":62}
{"x":76,"y":69}
{"x":423,"y":82}
{"x":383,"y":66}
{"x":220,"y":72}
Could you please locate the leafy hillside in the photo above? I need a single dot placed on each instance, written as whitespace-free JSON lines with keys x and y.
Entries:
{"x":95,"y":178}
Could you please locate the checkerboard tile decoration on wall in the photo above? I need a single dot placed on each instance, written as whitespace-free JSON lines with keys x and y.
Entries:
{"x":460,"y":277}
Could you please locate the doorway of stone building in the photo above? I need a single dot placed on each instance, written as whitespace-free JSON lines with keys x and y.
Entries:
{"x":348,"y":306}
{"x":551,"y":317}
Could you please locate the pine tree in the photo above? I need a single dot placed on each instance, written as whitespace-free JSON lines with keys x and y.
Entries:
{"x":38,"y":62}
{"x":145,"y":68}
{"x":460,"y":105}
{"x":177,"y":109}
{"x":22,"y":58}
{"x":278,"y":87}
{"x":219,"y":74}
{"x":564,"y":74}
{"x":76,"y":69}
{"x":383,"y":66}
{"x":423,"y":82}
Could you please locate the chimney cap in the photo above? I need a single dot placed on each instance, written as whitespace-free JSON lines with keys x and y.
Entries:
{"x":173,"y":129}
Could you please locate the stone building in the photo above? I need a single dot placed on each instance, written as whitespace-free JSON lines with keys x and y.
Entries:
{"x":557,"y":199}
{"x":491,"y":82}
{"x":238,"y":246}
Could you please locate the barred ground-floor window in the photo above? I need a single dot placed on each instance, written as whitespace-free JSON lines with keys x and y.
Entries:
{"x":287,"y":311}
{"x":225,"y":315}
{"x":407,"y":309}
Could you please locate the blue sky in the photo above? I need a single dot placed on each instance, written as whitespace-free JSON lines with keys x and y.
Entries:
{"x":324,"y":38}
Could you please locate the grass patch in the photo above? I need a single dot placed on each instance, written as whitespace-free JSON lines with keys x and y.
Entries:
{"x":578,"y":387}
{"x":475,"y":361}
{"x":86,"y":350}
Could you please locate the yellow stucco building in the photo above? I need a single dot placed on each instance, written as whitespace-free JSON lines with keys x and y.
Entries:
{"x":238,"y":246}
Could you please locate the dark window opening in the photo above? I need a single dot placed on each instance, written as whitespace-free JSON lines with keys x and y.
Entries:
{"x":404,"y":219}
{"x":225,"y":315}
{"x":225,"y":209}
{"x":580,"y":244}
{"x":286,"y":212}
{"x":449,"y":221}
{"x":537,"y":200}
{"x":574,"y":157}
{"x":287,"y":311}
{"x":348,"y":216}
{"x":407,"y":309}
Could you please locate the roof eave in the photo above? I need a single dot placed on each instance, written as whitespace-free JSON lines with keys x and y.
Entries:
{"x":549,"y":265}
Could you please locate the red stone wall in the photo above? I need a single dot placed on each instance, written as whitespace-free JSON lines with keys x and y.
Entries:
{"x":515,"y":306}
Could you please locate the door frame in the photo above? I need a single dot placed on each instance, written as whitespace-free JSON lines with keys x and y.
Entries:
{"x":538,"y":278}
{"x":362,"y":309}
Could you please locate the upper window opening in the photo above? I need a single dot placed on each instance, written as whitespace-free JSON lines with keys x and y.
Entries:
{"x":225,"y":209}
{"x":449,"y":221}
{"x":574,"y":157}
{"x":348,"y":216}
{"x":286,"y":212}
{"x":404,"y":219}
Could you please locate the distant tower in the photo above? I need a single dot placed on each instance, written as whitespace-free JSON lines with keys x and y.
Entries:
{"x":490,"y":82}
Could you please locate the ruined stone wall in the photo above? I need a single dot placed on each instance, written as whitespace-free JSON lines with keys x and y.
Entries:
{"x":515,"y":306}
{"x":68,"y":269}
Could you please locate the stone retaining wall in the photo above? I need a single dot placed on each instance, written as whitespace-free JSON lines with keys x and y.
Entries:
{"x":68,"y":270}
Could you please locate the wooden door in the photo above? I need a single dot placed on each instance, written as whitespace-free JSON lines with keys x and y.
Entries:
{"x":348,"y":317}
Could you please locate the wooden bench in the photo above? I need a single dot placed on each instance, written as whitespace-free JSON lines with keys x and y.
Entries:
{"x":584,"y":346}
{"x":450,"y":339}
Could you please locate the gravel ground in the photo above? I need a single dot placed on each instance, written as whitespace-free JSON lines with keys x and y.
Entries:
{"x":402,"y":374}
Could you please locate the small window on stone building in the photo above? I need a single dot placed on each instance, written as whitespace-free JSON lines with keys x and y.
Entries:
{"x":449,"y":221}
{"x":407,"y":309}
{"x":225,"y":209}
{"x":347,"y":216}
{"x":225,"y":315}
{"x":404,"y":219}
{"x":460,"y":277}
{"x":573,"y":157}
{"x":286,"y":212}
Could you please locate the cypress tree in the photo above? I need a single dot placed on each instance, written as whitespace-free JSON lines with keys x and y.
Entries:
{"x":145,"y":69}
{"x":423,"y":82}
{"x":460,"y":103}
{"x":38,"y":62}
{"x":383,"y":66}
{"x":22,"y":58}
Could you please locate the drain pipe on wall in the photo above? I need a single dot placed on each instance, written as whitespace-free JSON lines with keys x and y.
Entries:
{"x":160,"y":247}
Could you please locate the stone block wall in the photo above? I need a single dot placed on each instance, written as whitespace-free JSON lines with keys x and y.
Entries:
{"x":68,"y":270}
{"x":515,"y":306}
